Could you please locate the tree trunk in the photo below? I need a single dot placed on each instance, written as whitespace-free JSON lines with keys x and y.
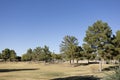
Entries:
{"x":77,"y":61}
{"x":72,"y":58}
{"x":100,"y":65}
{"x":119,"y":63}
{"x":73,"y":61}
{"x":70,"y":61}
{"x":88,"y":61}
{"x":104,"y":61}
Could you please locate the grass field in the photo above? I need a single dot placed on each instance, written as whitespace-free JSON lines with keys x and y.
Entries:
{"x":40,"y":71}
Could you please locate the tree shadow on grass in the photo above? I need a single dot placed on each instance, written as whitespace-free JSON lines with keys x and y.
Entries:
{"x":78,"y":78}
{"x":12,"y":70}
{"x":110,"y":68}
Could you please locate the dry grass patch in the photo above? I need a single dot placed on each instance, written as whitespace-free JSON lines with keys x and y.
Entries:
{"x":33,"y":71}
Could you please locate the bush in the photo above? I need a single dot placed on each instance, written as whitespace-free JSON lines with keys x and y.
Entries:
{"x":114,"y":76}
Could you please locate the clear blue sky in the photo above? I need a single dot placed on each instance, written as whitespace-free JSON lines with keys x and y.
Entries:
{"x":30,"y":23}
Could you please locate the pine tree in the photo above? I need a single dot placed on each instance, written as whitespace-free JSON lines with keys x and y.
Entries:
{"x":97,"y":36}
{"x":68,"y":47}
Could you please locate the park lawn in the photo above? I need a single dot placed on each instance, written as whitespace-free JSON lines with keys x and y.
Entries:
{"x":41,"y":71}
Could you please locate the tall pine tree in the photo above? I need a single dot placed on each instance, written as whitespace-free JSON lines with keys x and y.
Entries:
{"x":97,"y":36}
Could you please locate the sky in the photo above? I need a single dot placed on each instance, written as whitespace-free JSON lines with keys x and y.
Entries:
{"x":28,"y":24}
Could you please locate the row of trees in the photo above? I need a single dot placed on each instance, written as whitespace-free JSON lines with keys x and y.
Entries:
{"x":37,"y":54}
{"x":40,"y":54}
{"x":99,"y":43}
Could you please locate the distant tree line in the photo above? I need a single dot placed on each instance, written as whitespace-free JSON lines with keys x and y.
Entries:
{"x":40,"y":54}
{"x":37,"y":54}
